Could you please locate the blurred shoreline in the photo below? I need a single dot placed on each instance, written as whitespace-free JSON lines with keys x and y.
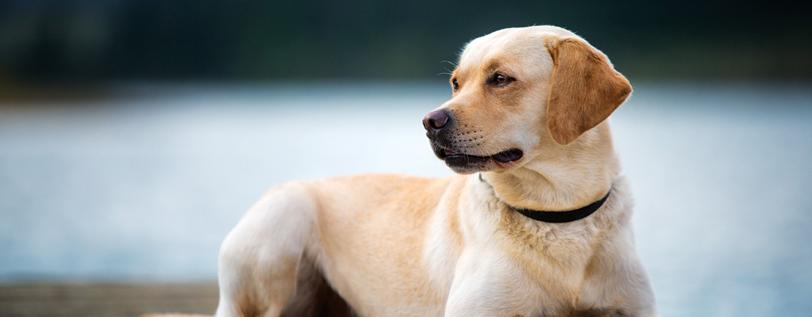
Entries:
{"x":85,"y":95}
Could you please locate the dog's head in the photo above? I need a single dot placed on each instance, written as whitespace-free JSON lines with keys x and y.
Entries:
{"x":518,"y":92}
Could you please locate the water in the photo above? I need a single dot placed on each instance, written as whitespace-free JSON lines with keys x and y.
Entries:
{"x":145,"y":186}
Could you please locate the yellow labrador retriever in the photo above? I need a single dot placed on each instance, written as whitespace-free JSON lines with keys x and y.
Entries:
{"x":537,"y":224}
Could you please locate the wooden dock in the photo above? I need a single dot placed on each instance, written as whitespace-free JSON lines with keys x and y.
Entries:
{"x":106,"y":299}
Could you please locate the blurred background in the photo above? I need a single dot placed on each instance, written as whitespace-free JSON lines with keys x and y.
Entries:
{"x":134,"y":133}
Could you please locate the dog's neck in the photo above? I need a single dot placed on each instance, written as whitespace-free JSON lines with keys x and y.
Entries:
{"x":561,"y":177}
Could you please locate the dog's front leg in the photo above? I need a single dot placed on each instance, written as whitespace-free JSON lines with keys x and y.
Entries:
{"x":259,"y":260}
{"x":489,"y":284}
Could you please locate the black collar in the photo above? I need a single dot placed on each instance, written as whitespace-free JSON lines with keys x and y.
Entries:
{"x":558,"y":216}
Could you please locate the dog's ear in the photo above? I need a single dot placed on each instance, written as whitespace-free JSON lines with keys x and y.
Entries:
{"x":584,"y":88}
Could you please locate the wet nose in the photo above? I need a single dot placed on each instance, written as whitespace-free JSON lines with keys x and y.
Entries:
{"x":436,"y":120}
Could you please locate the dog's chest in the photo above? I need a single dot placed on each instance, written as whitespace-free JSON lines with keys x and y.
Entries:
{"x":537,"y":268}
{"x":555,"y":255}
{"x":567,"y":243}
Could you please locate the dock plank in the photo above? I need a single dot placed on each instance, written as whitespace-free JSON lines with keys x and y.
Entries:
{"x":106,"y":299}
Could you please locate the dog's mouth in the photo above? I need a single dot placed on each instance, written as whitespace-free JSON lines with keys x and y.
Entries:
{"x":462,"y":160}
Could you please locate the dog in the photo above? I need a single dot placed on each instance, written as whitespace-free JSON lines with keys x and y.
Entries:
{"x":535,"y":223}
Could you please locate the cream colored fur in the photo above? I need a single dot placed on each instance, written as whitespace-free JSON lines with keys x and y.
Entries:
{"x":394,"y":245}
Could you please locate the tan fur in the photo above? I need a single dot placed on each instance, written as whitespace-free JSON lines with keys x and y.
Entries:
{"x":585,"y":89}
{"x":392,"y":245}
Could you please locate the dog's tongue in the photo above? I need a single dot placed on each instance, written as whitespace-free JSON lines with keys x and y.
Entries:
{"x":508,"y":156}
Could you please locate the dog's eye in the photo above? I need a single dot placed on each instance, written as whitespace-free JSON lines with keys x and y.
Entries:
{"x":500,"y":80}
{"x":455,"y":84}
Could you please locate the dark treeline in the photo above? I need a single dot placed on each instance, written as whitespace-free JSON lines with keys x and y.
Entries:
{"x":92,"y":41}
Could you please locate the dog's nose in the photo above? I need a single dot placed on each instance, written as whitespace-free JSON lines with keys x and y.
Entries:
{"x":436,"y":120}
